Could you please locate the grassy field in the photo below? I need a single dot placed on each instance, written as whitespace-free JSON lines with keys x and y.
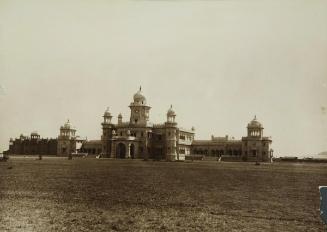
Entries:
{"x":57,"y":194}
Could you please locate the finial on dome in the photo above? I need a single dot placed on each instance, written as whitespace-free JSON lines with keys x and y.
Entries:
{"x":107,"y":109}
{"x":255,"y":117}
{"x":171,"y":106}
{"x":140,"y":87}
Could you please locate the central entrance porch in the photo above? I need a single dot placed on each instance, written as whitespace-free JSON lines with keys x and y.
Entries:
{"x":125,"y":149}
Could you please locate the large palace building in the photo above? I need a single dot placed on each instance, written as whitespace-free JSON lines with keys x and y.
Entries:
{"x":139,"y":138}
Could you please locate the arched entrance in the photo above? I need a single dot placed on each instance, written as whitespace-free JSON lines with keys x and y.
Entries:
{"x":121,"y":151}
{"x":132,"y":151}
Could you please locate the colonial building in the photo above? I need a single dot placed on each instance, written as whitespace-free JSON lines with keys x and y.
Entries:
{"x":66,"y":143}
{"x":253,"y":147}
{"x":139,"y":138}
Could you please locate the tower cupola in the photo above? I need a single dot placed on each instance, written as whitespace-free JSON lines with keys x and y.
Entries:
{"x":107,"y":116}
{"x":120,"y":119}
{"x":67,"y":130}
{"x":255,"y":128}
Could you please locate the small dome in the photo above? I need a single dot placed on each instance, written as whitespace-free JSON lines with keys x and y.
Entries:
{"x":119,"y":115}
{"x":255,"y":123}
{"x":107,"y":113}
{"x":171,"y":112}
{"x":139,"y":97}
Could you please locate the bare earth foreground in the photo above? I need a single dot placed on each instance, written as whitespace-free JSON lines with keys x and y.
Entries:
{"x":57,"y":194}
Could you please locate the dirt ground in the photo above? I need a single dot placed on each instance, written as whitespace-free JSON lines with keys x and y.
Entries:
{"x":56,"y":194}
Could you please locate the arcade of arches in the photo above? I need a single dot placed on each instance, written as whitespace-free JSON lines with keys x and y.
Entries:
{"x":125,"y":150}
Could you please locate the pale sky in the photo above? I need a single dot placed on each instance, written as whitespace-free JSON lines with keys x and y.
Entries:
{"x":218,"y":62}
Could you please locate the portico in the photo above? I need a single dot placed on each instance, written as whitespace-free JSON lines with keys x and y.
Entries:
{"x":124,"y":147}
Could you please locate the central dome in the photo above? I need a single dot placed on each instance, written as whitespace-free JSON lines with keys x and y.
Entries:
{"x":139,"y":97}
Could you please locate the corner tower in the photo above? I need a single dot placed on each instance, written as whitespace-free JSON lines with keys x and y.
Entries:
{"x":139,"y":110}
{"x":171,"y":135}
{"x":256,"y":147}
{"x":106,"y":137}
{"x":66,"y":139}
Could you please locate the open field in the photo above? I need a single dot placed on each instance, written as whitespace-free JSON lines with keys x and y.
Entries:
{"x":56,"y":194}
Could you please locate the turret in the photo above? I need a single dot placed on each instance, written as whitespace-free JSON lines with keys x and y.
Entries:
{"x":107,"y":117}
{"x":171,"y":115}
{"x":66,"y":139}
{"x":120,"y":119}
{"x":106,"y":137}
{"x":171,"y":135}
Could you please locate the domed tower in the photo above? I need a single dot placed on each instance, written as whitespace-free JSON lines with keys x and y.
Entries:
{"x":139,"y":109}
{"x":106,"y":137}
{"x":66,"y":139}
{"x":171,"y":135}
{"x":255,"y":147}
{"x":107,"y":116}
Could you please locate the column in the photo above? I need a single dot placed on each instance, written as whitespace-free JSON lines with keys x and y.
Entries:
{"x":129,"y":151}
{"x":113,"y":150}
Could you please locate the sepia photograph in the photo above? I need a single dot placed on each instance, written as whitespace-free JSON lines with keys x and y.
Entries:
{"x":163,"y":115}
